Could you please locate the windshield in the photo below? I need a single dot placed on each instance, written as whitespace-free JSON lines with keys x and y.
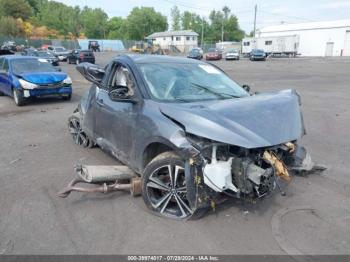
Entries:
{"x":194,"y":51}
{"x":232,"y":51}
{"x":189,"y":82}
{"x":258,"y":51}
{"x":212,"y":50}
{"x":60,"y":49}
{"x":20,"y":66}
{"x":43,"y":54}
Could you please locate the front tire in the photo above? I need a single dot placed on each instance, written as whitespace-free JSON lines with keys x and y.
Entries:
{"x":67,"y":98}
{"x":164,"y":188}
{"x":18,"y":97}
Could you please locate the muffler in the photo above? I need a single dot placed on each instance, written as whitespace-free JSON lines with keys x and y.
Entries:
{"x":105,"y":179}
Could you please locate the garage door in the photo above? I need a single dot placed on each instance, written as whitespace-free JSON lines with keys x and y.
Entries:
{"x":346,"y":51}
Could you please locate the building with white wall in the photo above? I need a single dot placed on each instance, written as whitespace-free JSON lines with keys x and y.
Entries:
{"x":184,"y":40}
{"x":328,"y":38}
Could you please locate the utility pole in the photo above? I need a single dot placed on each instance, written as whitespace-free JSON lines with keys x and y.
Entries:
{"x":202,"y":31}
{"x":256,"y":10}
{"x":222,"y":30}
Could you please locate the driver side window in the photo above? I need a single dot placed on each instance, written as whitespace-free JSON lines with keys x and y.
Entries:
{"x":122,"y":80}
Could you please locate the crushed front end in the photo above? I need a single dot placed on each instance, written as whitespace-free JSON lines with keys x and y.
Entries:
{"x":221,"y":169}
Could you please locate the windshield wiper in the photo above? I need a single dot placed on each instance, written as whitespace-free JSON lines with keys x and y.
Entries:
{"x":176,"y":98}
{"x":206,"y":88}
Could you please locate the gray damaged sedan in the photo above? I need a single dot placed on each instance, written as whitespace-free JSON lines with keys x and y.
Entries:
{"x":191,"y":133}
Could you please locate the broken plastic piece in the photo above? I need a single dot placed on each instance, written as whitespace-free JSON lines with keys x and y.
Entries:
{"x":280,"y":168}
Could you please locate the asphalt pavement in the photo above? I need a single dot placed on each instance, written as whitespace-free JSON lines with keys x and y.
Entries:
{"x":37,"y":157}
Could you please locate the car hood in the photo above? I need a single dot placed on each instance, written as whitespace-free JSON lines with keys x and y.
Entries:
{"x":261,"y":120}
{"x":62,"y":53}
{"x":43,"y":78}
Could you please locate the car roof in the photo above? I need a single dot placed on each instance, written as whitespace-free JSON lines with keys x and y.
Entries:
{"x":147,"y":59}
{"x":17,"y":57}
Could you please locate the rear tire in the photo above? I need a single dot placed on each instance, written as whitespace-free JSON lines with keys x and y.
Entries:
{"x":77,"y":132}
{"x":164,"y":188}
{"x":18,"y":97}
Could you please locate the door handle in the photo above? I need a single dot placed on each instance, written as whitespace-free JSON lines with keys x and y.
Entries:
{"x":100,"y":102}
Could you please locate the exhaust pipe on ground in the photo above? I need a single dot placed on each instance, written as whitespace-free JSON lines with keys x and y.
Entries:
{"x":105,"y":178}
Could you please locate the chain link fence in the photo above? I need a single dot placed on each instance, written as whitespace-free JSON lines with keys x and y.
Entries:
{"x":112,"y":45}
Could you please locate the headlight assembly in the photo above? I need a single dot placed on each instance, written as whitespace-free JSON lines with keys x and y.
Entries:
{"x":27,"y":85}
{"x":67,"y":81}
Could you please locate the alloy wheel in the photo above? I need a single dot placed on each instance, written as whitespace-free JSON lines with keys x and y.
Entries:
{"x":166,"y":191}
{"x":75,"y":129}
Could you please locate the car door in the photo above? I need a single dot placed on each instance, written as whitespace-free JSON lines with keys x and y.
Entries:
{"x":115,"y":120}
{"x":5,"y":83}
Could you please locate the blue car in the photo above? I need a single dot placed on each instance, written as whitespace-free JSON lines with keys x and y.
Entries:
{"x":23,"y":77}
{"x":257,"y":54}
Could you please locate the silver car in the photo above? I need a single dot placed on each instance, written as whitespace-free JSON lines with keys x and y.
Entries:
{"x":232,"y":54}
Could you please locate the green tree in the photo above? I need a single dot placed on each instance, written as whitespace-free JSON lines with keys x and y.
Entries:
{"x":9,"y":26}
{"x":232,"y":32}
{"x":114,"y":28}
{"x":94,"y":22}
{"x":16,"y":9}
{"x":226,"y":11}
{"x":58,"y":16}
{"x":216,"y":23}
{"x":175,"y":18}
{"x":143,"y":21}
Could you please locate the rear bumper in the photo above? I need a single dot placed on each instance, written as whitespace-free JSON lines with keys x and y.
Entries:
{"x":233,"y":57}
{"x":88,"y":60}
{"x":45,"y":92}
{"x":212,"y":58}
{"x":258,"y":57}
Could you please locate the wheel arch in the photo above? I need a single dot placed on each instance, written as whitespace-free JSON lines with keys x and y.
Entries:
{"x":153,"y":149}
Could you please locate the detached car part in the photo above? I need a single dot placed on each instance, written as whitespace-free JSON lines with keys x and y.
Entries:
{"x":105,"y":178}
{"x":191,"y":133}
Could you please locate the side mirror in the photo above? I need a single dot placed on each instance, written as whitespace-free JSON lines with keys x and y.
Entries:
{"x":120,"y":94}
{"x":246,"y":88}
{"x":91,"y":72}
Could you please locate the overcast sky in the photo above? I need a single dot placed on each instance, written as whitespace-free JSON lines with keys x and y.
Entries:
{"x":270,"y":12}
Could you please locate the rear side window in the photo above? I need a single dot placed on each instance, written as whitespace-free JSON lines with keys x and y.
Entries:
{"x":5,"y":65}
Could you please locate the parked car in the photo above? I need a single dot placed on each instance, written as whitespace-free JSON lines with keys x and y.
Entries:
{"x":199,"y":49}
{"x":257,"y":54}
{"x":23,"y":77}
{"x":232,"y":54}
{"x":213,"y":54}
{"x":29,"y":51}
{"x":79,"y":56}
{"x":189,"y":131}
{"x":48,"y":56}
{"x":94,"y":46}
{"x":195,"y":54}
{"x":9,"y":45}
{"x":60,"y":52}
{"x":6,"y":52}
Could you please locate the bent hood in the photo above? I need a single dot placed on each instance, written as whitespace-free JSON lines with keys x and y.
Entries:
{"x":43,"y":78}
{"x":261,"y":120}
